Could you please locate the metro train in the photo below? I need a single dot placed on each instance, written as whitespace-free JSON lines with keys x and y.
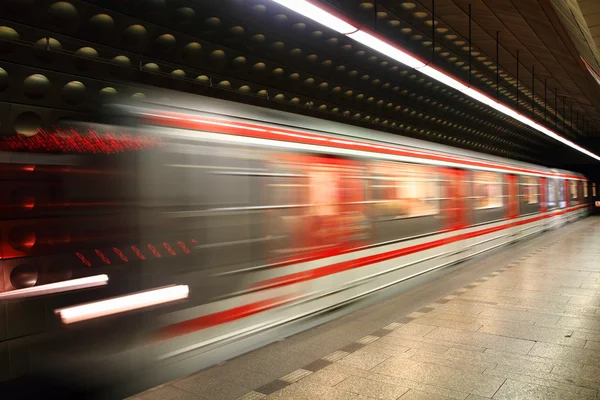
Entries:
{"x":178,"y":233}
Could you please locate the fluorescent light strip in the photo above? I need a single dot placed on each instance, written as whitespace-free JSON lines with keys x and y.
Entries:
{"x":324,"y":17}
{"x":317,"y":14}
{"x":58,"y":287}
{"x":122,"y":304}
{"x":386,"y":49}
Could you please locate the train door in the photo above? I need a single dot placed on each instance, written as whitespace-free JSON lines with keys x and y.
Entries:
{"x":456,"y":204}
{"x":512,"y":211}
{"x":317,"y":207}
{"x":544,"y":201}
{"x":456,"y":195}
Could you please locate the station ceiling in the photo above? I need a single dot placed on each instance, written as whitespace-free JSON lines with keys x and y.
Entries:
{"x":59,"y":59}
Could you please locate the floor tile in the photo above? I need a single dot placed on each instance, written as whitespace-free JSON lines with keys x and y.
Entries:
{"x":507,"y":344}
{"x":445,"y":377}
{"x":515,"y":390}
{"x":371,"y":388}
{"x":363,"y":360}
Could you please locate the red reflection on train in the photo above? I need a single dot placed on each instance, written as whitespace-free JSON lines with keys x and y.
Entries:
{"x":72,"y":141}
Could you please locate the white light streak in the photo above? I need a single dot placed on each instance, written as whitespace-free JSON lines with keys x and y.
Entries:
{"x":58,"y":287}
{"x":315,"y":13}
{"x":386,"y":49}
{"x":117,"y":305}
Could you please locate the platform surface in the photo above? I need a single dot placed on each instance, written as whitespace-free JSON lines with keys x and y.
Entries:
{"x":523,"y":323}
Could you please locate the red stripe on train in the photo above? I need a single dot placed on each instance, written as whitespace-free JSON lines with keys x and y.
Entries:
{"x":321,"y":272}
{"x":222,"y":317}
{"x":196,"y":122}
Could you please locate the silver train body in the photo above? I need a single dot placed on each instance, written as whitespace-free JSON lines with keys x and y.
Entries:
{"x":240,"y":226}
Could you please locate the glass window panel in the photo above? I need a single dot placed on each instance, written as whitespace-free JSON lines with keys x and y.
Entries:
{"x":487,"y":190}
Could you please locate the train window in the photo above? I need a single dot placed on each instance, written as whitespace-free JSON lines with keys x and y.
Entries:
{"x":487,"y":189}
{"x":404,"y":190}
{"x":561,"y":194}
{"x":552,"y":184}
{"x":316,"y":205}
{"x":585,"y":189}
{"x":530,"y":191}
{"x":573,"y":189}
{"x":594,"y":189}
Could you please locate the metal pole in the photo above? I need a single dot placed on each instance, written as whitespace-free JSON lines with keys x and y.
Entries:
{"x":571,"y":117}
{"x":517,"y":79}
{"x":432,"y":31}
{"x":545,"y":98}
{"x":563,"y":114}
{"x":555,"y":99}
{"x":470,"y":42}
{"x":497,"y":65}
{"x":533,"y":92}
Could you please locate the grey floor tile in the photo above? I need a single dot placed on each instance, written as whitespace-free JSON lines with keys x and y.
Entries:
{"x":524,"y":374}
{"x":169,"y":392}
{"x":499,"y":357}
{"x":515,"y":390}
{"x":507,"y":344}
{"x":410,"y":342}
{"x":577,"y":371}
{"x":413,"y":328}
{"x":418,"y":395}
{"x":363,"y":360}
{"x":536,"y":333}
{"x":574,"y":354}
{"x":436,"y":375}
{"x":327,"y":377}
{"x":580,"y":322}
{"x":514,"y":315}
{"x":470,"y":365}
{"x":592,"y":345}
{"x":210,"y":388}
{"x":311,"y":391}
{"x":371,"y":388}
{"x":473,"y":326}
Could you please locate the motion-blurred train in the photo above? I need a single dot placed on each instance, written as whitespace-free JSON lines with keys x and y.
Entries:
{"x":179,"y":233}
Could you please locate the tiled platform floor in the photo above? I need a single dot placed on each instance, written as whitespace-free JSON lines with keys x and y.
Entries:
{"x":522,"y":324}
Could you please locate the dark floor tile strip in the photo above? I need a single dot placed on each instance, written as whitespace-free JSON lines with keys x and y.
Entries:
{"x":352,"y":347}
{"x":405,"y":320}
{"x":381,"y":332}
{"x":317,"y":365}
{"x":272,"y":387}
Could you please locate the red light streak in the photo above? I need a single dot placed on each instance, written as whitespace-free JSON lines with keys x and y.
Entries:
{"x":72,"y":141}
{"x":137,"y":252}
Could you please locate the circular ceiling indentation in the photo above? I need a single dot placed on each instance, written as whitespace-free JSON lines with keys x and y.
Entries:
{"x":165,"y":41}
{"x":87,"y":52}
{"x":108,"y":92}
{"x":151,"y":67}
{"x":191,"y":50}
{"x":63,"y":14}
{"x":212,"y":22}
{"x":179,"y":73}
{"x":3,"y":79}
{"x":8,"y":33}
{"x":24,"y":276}
{"x":73,"y":92}
{"x":49,"y":43}
{"x":102,"y":22}
{"x":123,"y":60}
{"x":185,"y":15}
{"x":28,"y":123}
{"x":36,"y":86}
{"x":135,"y":35}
